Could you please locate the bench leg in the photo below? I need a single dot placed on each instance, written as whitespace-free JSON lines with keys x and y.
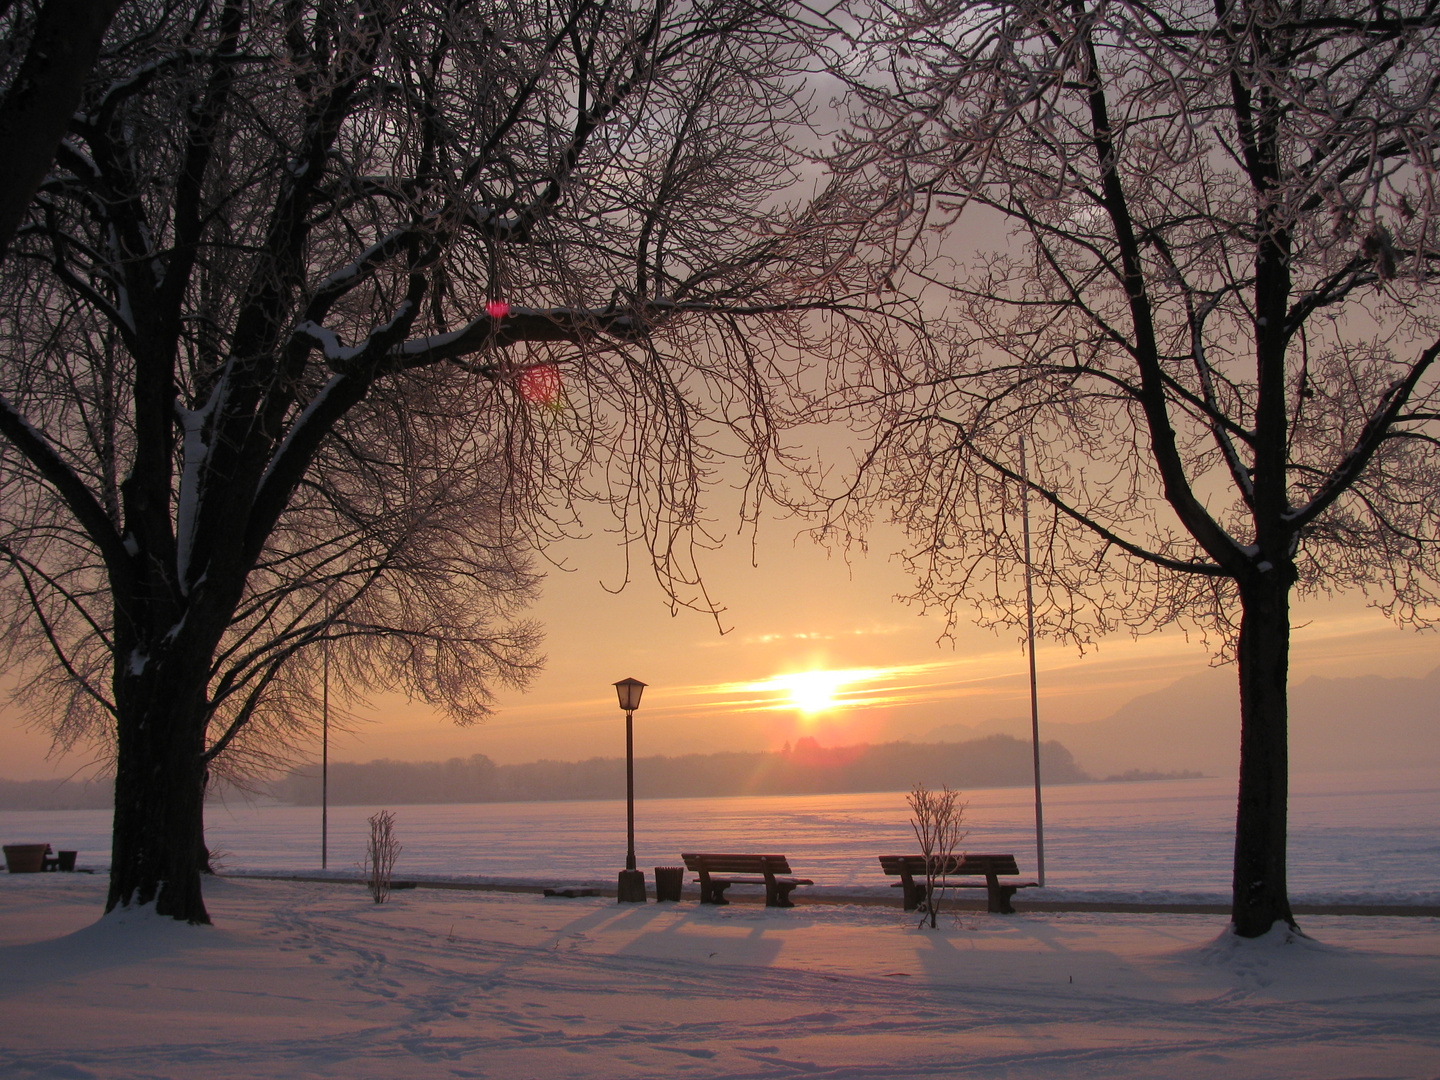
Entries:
{"x":716,"y":893}
{"x":910,"y":892}
{"x":999,"y":896}
{"x":779,"y":896}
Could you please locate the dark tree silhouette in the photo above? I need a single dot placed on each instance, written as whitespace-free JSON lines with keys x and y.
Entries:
{"x":329,"y":312}
{"x":1215,"y":324}
{"x":46,"y":56}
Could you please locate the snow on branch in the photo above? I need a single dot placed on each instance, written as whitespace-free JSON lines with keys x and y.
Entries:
{"x":195,"y":452}
{"x":328,"y":342}
{"x":341,"y":281}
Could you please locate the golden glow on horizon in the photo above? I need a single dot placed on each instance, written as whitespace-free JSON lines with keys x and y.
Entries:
{"x":977,"y":685}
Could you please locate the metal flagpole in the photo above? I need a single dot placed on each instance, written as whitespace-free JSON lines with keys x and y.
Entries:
{"x":325,"y":762}
{"x":1034,"y":696}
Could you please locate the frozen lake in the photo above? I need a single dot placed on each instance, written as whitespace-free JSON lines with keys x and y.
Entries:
{"x":1354,"y":837}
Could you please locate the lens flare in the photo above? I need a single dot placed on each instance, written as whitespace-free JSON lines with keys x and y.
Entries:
{"x":540,"y":385}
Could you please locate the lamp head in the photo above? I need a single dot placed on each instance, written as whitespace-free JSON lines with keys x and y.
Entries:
{"x":629,"y":691}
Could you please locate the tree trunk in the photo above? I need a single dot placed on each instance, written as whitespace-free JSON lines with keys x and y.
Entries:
{"x":1260,"y":898}
{"x":41,"y":99}
{"x":157,"y":849}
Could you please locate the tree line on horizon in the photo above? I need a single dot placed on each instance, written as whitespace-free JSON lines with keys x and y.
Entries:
{"x":805,"y":769}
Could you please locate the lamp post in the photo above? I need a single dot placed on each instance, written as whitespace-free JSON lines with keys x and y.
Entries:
{"x":1034,"y":694}
{"x":325,"y":765}
{"x":632,"y":882}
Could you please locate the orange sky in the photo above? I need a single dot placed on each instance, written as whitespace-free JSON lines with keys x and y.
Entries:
{"x":797,"y":612}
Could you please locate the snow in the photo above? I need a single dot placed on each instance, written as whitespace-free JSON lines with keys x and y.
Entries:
{"x":79,"y":153}
{"x":331,"y":347}
{"x":314,"y":980}
{"x":196,"y":455}
{"x":123,"y":309}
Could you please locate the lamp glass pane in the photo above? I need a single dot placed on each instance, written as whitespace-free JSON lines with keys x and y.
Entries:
{"x":629,"y":690}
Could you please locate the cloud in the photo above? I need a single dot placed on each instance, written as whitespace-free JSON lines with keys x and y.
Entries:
{"x":780,"y":638}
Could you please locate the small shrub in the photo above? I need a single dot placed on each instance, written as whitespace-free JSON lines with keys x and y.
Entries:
{"x":939,"y":819}
{"x":381,"y":855}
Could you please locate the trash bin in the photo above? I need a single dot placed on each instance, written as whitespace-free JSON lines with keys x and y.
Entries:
{"x":65,"y":860}
{"x":668,"y":882}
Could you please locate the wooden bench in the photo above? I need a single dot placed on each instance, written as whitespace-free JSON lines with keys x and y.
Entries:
{"x":910,"y":867}
{"x":744,"y":870}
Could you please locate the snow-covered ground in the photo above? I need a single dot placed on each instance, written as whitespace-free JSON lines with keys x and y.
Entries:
{"x":1354,"y":837}
{"x":313,"y":980}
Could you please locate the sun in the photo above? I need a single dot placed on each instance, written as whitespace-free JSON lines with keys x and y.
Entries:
{"x":812,"y":691}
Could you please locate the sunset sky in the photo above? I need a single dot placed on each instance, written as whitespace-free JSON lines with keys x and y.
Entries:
{"x":814,"y":647}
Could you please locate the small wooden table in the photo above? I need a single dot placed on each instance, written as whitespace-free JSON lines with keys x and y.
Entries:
{"x":910,"y":867}
{"x":28,"y":858}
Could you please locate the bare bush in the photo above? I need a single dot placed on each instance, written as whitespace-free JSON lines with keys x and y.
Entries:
{"x":939,"y":824}
{"x":380,"y":856}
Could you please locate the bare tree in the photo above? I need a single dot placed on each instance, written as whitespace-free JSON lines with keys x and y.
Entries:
{"x":330,"y":310}
{"x":1214,"y":322}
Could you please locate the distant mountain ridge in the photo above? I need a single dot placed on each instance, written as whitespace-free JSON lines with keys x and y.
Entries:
{"x":1340,"y":724}
{"x":97,"y":794}
{"x":806,"y":769}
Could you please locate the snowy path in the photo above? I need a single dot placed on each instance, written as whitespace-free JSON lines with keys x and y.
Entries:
{"x":314,"y":981}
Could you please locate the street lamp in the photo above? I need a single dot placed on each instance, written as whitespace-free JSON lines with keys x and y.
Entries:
{"x":632,"y":882}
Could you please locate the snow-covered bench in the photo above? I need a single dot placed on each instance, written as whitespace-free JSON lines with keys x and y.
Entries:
{"x":751,"y":870}
{"x":910,"y":867}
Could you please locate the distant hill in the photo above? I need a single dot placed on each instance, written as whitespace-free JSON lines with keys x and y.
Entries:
{"x":807,"y":768}
{"x":97,"y":794}
{"x":1366,"y":722}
